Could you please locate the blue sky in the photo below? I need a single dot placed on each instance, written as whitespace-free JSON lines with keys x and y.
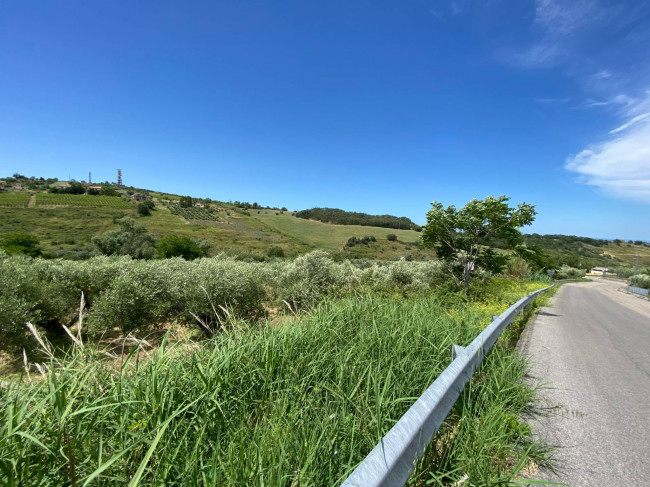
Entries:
{"x":375,"y":106}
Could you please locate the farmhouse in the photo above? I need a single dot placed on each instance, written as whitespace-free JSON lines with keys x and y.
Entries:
{"x":139,"y":196}
{"x":96,"y":188}
{"x":2,"y":184}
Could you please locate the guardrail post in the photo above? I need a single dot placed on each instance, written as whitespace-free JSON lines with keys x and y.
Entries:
{"x":456,"y":350}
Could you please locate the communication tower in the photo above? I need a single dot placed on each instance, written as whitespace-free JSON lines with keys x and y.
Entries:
{"x":119,"y":177}
{"x":90,"y":178}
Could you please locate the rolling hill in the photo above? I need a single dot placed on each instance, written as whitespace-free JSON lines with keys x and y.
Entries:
{"x":66,"y":223}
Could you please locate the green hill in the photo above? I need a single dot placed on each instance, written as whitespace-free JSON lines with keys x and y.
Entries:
{"x":66,"y":223}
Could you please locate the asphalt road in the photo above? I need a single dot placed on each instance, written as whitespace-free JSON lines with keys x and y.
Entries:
{"x":591,"y":348}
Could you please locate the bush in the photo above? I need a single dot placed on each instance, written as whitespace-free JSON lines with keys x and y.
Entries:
{"x":131,"y":239}
{"x":20,"y":243}
{"x":275,"y":252}
{"x":179,"y":246}
{"x":353,"y":241}
{"x":391,"y":237}
{"x":642,"y":280}
{"x":566,"y":272}
{"x":138,"y":298}
{"x":517,"y":267}
{"x":143,"y":209}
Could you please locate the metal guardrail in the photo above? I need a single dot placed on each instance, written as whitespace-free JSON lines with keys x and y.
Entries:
{"x":392,"y":461}
{"x":638,"y":290}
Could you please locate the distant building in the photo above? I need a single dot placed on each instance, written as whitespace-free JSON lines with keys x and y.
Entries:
{"x":96,"y":188}
{"x":198,"y":205}
{"x":63,"y":185}
{"x":2,"y":185}
{"x":139,"y":196}
{"x":599,"y":271}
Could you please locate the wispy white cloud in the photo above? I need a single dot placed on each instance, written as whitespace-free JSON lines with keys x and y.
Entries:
{"x":627,"y":125}
{"x":620,"y":166}
{"x":560,"y":17}
{"x":556,"y":21}
{"x":617,"y":100}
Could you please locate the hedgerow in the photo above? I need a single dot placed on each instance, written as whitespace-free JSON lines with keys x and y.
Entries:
{"x":126,"y":294}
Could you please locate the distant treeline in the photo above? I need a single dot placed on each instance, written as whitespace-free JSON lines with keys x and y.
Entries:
{"x":560,"y":241}
{"x":341,"y":217}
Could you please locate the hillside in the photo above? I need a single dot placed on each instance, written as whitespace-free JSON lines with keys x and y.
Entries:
{"x":65,"y":225}
{"x":584,"y":252}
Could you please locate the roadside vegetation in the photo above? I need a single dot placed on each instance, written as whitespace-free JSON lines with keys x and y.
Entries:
{"x":197,"y":342}
{"x":258,"y":403}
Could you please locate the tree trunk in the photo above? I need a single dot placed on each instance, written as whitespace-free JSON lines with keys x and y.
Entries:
{"x":466,"y":280}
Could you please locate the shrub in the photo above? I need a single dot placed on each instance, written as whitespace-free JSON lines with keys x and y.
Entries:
{"x":20,"y":243}
{"x":642,"y":280}
{"x":566,"y":272}
{"x":143,"y":209}
{"x":353,"y":241}
{"x":309,"y":278}
{"x":391,"y":237}
{"x":517,"y":267}
{"x":179,"y":246}
{"x":139,"y":297}
{"x":275,"y":252}
{"x":131,"y":239}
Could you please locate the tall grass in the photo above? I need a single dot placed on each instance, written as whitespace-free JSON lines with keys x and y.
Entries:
{"x":299,"y":404}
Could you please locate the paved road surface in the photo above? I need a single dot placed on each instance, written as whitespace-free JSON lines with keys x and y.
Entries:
{"x":592,"y":348}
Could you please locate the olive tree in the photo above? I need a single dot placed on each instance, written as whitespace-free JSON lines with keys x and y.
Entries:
{"x":461,"y":236}
{"x":132,"y":239}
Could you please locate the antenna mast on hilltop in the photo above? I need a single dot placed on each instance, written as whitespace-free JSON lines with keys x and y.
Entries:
{"x":119,"y":177}
{"x":90,"y":177}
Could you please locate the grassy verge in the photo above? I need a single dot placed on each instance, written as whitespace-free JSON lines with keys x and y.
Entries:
{"x":485,"y":440}
{"x":299,"y":404}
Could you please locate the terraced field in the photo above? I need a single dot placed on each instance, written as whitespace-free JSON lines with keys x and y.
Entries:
{"x":89,"y":201}
{"x":14,"y":200}
{"x":193,"y":213}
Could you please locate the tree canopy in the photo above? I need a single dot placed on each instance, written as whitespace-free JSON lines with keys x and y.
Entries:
{"x":179,"y":246}
{"x":132,"y":239}
{"x":462,"y":236}
{"x":342,"y":217}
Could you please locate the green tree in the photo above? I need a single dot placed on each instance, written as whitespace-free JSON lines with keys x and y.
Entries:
{"x":460,"y":236}
{"x":179,"y":246}
{"x":108,"y":190}
{"x":143,"y":209}
{"x":20,"y":243}
{"x":132,"y":239}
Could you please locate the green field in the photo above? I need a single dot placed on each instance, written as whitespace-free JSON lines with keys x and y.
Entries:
{"x":14,"y":200}
{"x":63,"y":228}
{"x":66,"y":222}
{"x":94,"y":201}
{"x":325,"y":235}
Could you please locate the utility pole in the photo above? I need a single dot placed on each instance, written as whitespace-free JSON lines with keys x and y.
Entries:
{"x":636,"y":268}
